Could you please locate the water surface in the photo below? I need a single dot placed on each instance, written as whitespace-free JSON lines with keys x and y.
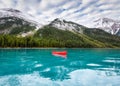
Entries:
{"x":38,"y":67}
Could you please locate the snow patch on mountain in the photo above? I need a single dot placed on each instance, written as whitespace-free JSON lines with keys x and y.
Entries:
{"x":109,"y":25}
{"x":9,"y":12}
{"x":66,"y":25}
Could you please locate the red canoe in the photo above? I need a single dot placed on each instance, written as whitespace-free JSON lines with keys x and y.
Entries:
{"x":60,"y":53}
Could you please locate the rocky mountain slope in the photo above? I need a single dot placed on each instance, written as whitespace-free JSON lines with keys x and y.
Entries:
{"x":58,"y":33}
{"x":9,"y":12}
{"x":109,"y":25}
{"x":13,"y":21}
{"x":66,"y":25}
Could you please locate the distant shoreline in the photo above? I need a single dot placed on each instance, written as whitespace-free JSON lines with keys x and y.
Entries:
{"x":51,"y":48}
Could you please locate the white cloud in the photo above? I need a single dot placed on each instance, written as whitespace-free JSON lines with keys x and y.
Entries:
{"x":80,"y":11}
{"x":48,"y":4}
{"x":6,"y":4}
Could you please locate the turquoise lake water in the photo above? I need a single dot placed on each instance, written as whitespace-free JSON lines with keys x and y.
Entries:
{"x":38,"y":67}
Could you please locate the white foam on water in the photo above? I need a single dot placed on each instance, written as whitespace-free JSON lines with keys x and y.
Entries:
{"x":38,"y":65}
{"x":85,"y":77}
{"x":25,"y":80}
{"x":88,"y":77}
{"x":112,"y":61}
{"x":92,"y":64}
{"x":46,"y":70}
{"x":110,"y":69}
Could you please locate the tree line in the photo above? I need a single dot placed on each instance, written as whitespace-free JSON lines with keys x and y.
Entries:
{"x":14,"y":41}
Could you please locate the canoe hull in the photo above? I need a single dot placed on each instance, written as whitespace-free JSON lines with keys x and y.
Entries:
{"x":60,"y":53}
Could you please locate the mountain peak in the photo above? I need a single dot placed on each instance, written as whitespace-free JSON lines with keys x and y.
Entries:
{"x":109,"y":25}
{"x":11,"y":10}
{"x":66,"y":25}
{"x":58,"y":20}
{"x":105,"y":20}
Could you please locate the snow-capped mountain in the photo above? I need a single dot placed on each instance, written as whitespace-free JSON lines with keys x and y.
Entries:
{"x":9,"y":12}
{"x":13,"y":21}
{"x":109,"y":25}
{"x":66,"y":25}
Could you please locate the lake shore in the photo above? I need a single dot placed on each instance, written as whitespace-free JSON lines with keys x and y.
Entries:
{"x":50,"y":48}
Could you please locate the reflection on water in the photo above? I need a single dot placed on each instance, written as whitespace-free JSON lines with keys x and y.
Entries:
{"x":85,"y":77}
{"x":82,"y":67}
{"x":57,"y":55}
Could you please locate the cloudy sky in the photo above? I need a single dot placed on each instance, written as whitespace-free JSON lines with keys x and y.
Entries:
{"x":80,"y":11}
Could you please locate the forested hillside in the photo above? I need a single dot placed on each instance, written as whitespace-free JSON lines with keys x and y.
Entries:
{"x":53,"y":37}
